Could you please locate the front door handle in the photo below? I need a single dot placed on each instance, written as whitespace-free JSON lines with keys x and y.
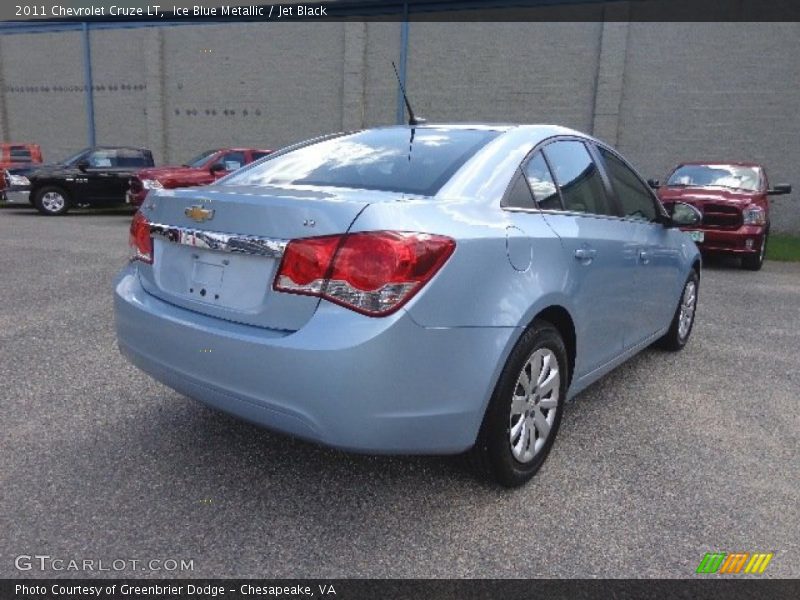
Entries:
{"x":644,"y":256}
{"x":585,"y":253}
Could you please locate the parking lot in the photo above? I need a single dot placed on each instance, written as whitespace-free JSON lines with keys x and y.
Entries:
{"x":669,"y":457}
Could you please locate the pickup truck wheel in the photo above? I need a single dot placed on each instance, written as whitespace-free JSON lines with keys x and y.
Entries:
{"x":51,"y":201}
{"x":754,"y":262}
{"x":683,"y":321}
{"x":523,"y":416}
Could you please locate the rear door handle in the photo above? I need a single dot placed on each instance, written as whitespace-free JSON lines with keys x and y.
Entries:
{"x":644,"y":256}
{"x":585,"y":253}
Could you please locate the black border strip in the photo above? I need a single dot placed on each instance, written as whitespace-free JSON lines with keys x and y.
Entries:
{"x":708,"y":587}
{"x":460,"y":10}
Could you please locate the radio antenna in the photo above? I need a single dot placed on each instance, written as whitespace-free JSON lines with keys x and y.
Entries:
{"x":412,"y":118}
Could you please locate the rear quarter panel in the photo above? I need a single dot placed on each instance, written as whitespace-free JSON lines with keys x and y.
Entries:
{"x":478,"y":286}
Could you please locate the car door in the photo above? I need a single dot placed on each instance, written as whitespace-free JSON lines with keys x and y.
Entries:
{"x":658,"y":264}
{"x":599,"y":246}
{"x":126,"y":162}
{"x":94,"y":184}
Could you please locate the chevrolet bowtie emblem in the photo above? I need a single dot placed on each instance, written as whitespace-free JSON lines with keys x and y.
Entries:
{"x":199,"y":214}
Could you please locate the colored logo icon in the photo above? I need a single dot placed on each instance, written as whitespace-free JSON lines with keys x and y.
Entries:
{"x":734,"y":562}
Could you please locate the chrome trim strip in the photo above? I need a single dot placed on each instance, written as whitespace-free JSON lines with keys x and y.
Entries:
{"x":572,"y":213}
{"x":222,"y":242}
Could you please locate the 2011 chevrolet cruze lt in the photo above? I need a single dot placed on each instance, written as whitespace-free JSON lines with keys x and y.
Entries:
{"x":426,"y":289}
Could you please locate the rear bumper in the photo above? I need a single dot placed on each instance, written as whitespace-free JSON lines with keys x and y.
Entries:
{"x":344,"y":380}
{"x":733,"y":241}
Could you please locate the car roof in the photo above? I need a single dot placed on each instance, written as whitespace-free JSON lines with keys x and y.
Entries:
{"x":541,"y":131}
{"x":118,"y":148}
{"x":241,"y":149}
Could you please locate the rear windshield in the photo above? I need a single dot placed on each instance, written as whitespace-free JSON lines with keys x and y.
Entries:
{"x":418,"y":161}
{"x":21,"y":154}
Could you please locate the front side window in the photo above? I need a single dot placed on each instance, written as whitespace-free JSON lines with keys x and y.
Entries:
{"x":634,"y":197}
{"x":100,"y":159}
{"x":199,"y":160}
{"x":78,"y":156}
{"x":578,"y":177}
{"x":541,"y":181}
{"x":398,"y":159}
{"x":232,"y":160}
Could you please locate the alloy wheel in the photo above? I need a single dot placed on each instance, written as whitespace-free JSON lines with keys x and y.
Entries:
{"x":53,"y":202}
{"x":534,"y":405}
{"x":688,"y":304}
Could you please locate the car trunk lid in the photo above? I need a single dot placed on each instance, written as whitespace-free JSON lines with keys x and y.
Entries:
{"x":217,"y":249}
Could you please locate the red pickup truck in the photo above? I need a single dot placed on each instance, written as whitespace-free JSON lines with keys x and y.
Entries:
{"x":201,"y":170}
{"x":733,"y":198}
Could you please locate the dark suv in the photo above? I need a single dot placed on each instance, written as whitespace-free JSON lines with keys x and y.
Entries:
{"x":92,"y":177}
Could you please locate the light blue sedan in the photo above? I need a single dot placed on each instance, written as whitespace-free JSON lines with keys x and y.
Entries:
{"x":426,"y":289}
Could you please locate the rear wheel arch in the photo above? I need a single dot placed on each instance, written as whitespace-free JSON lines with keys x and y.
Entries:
{"x":522,"y":419}
{"x":555,"y":315}
{"x":559,"y":317}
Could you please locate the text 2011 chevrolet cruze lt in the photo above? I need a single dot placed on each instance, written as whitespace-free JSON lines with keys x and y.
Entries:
{"x":409,"y":289}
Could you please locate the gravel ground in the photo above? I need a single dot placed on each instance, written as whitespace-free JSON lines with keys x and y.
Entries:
{"x":669,"y":457}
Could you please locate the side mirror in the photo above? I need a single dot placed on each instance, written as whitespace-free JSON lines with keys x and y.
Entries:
{"x":83,"y":164}
{"x":654,"y":183}
{"x":685,"y":215}
{"x":216,"y":168}
{"x":781,"y":188}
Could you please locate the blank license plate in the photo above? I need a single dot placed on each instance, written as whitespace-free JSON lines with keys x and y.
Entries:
{"x":208,"y":274}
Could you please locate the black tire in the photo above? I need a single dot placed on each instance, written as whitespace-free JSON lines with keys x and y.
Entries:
{"x":754,"y":262}
{"x":492,"y":454}
{"x":673,"y":340}
{"x":41,"y":199}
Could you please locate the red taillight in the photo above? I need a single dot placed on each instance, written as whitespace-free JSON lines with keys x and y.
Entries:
{"x":140,"y":241}
{"x":373,"y":272}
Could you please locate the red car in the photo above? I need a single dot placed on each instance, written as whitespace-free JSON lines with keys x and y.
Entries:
{"x":732,"y":196}
{"x":201,"y":170}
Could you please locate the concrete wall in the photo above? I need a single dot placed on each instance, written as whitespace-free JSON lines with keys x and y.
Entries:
{"x":722,"y":91}
{"x":661,"y":92}
{"x":43,"y":91}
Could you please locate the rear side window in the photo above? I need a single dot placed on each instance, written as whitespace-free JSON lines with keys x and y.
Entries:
{"x":413,"y":161}
{"x":634,"y":197}
{"x":578,"y":177}
{"x":541,"y":181}
{"x":520,"y":196}
{"x":132,"y":158}
{"x":257,"y":155}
